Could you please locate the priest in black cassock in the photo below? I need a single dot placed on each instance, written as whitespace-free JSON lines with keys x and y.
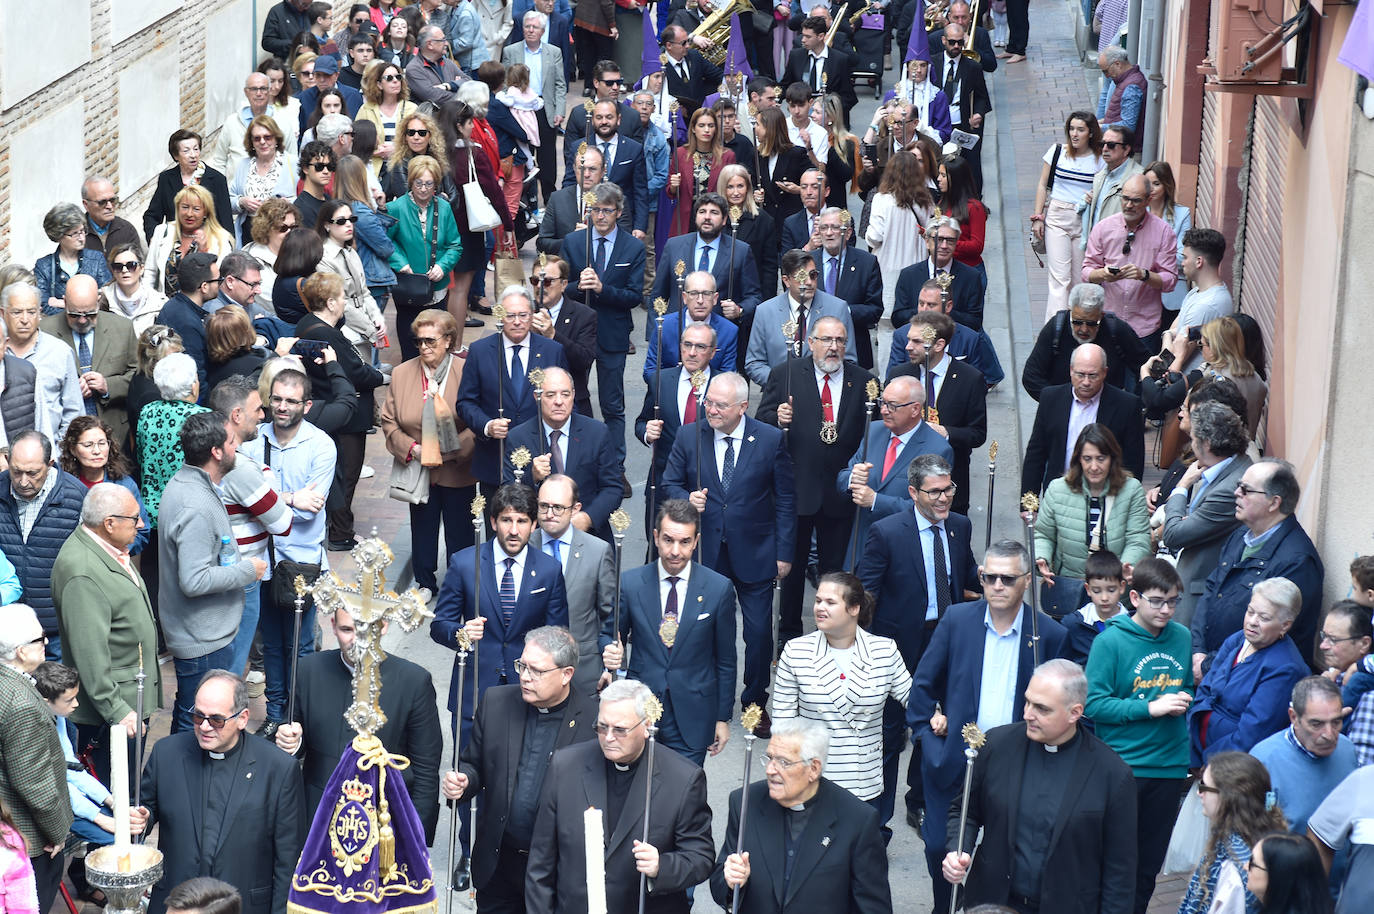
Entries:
{"x":319,"y":734}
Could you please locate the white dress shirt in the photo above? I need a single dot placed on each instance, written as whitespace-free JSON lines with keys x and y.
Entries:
{"x":499,"y":557}
{"x":738,"y":437}
{"x":663,"y":586}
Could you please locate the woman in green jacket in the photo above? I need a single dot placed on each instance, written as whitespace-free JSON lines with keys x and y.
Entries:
{"x":427,"y":243}
{"x":1097,"y":504}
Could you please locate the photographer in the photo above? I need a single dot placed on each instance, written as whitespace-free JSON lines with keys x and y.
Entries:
{"x":1164,"y":382}
{"x":1209,"y":297}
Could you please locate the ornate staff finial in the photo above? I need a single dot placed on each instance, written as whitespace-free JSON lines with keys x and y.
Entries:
{"x":928,"y":334}
{"x":801,"y":275}
{"x":479,"y":504}
{"x":736,"y":212}
{"x":660,"y":306}
{"x":698,"y":379}
{"x":588,"y":105}
{"x":543,"y":260}
{"x":581,"y":148}
{"x":973,"y":737}
{"x":536,"y":376}
{"x":679,"y":269}
{"x":464,"y":642}
{"x":653,"y":709}
{"x":1030,"y":503}
{"x":945,"y":280}
{"x":751,"y":717}
{"x":520,"y":458}
{"x":789,"y":329}
{"x":992,"y":452}
{"x":588,"y":198}
{"x":872,"y":389}
{"x":620,"y":520}
{"x":498,"y":311}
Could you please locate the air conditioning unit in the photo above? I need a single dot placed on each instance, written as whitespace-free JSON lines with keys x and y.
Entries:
{"x":1246,"y":44}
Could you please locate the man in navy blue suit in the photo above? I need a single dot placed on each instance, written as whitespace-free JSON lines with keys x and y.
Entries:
{"x":625,"y":165}
{"x":916,"y":563}
{"x":680,"y":618}
{"x":876,"y":478}
{"x":495,"y":394}
{"x":965,"y":289}
{"x":975,"y":668}
{"x":564,"y":442}
{"x":521,"y":590}
{"x":851,"y":275}
{"x":738,"y":473}
{"x":967,"y":345}
{"x":701,"y":293}
{"x":612,"y":283}
{"x":658,"y":422}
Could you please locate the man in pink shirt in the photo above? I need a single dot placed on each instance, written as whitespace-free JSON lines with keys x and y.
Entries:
{"x":1133,"y":255}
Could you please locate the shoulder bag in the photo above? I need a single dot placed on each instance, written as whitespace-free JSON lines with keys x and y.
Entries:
{"x":409,"y":481}
{"x":414,"y":290}
{"x":482,"y":215}
{"x":1038,"y":244}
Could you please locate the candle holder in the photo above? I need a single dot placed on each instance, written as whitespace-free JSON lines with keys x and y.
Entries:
{"x":124,"y":874}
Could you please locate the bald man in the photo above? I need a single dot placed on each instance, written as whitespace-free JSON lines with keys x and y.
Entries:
{"x":106,"y":351}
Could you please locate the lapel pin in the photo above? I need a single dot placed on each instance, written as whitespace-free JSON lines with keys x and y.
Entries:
{"x":571,"y":724}
{"x":750,"y":438}
{"x":249,"y":776}
{"x":825,"y":842}
{"x":698,"y":598}
{"x":531,"y":572}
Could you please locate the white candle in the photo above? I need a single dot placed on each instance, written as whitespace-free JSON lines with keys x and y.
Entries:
{"x":119,"y":783}
{"x":596,"y":860}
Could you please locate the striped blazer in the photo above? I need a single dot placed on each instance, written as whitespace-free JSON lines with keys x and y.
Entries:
{"x":809,"y":684}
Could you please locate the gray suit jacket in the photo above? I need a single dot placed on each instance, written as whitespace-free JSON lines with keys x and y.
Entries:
{"x":1197,"y":536}
{"x":589,"y":583}
{"x":114,"y":354}
{"x":1107,"y":197}
{"x":767,"y":348}
{"x":554,"y":84}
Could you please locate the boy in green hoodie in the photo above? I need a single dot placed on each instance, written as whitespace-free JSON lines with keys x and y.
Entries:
{"x":1140,"y":680}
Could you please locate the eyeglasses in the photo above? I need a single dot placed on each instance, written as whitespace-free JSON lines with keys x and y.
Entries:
{"x":602,"y":210}
{"x":1207,"y":788}
{"x":429,"y":342}
{"x":347,"y":133}
{"x":343,"y":220}
{"x":264,"y":138}
{"x":284,"y":401}
{"x":216,"y":721}
{"x":394,"y":78}
{"x":41,"y":639}
{"x":1329,"y":639}
{"x":1252,"y":865}
{"x":946,"y":239}
{"x":78,"y":232}
{"x":1084,"y":323}
{"x":255,"y":286}
{"x":783,"y":764}
{"x":1130,"y":236}
{"x":97,"y":445}
{"x":829,"y":340}
{"x":697,"y":294}
{"x":1085,"y":375}
{"x":420,"y":132}
{"x":524,"y":669}
{"x":689,"y":346}
{"x":1004,"y":580}
{"x":422,"y":185}
{"x":256,"y":88}
{"x":829,"y":229}
{"x":947,"y":492}
{"x":1243,"y":489}
{"x":888,"y":406}
{"x":613,"y":82}
{"x":615,"y":732}
{"x":552,"y":509}
{"x":321,"y":166}
{"x":125,"y":266}
{"x":132,"y":518}
{"x":108,"y":201}
{"x":517,"y":317}
{"x":1161,"y":602}
{"x":83,"y":315}
{"x":1112,"y":144}
{"x":287,"y":226}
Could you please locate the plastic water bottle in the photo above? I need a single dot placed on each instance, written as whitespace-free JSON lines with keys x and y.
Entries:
{"x":228,"y":552}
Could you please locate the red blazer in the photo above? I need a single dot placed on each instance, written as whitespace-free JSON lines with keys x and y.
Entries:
{"x":684,"y":217}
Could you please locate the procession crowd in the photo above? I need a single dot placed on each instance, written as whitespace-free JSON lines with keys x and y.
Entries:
{"x":185,"y":406}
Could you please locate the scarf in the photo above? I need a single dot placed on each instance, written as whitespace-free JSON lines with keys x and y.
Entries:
{"x":438,"y":428}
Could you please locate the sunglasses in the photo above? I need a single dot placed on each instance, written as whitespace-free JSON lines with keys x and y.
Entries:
{"x":613,"y":82}
{"x":321,"y":166}
{"x":343,"y":220}
{"x":286,"y":227}
{"x":1130,"y":236}
{"x":1082,"y":323}
{"x":108,"y":201}
{"x":410,"y":132}
{"x":216,"y":721}
{"x":1112,"y":144}
{"x":1006,"y":580}
{"x":125,"y":266}
{"x":391,"y":78}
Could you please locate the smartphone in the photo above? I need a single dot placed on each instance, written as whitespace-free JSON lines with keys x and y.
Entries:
{"x":869,"y":151}
{"x":1114,"y":270}
{"x":309,"y":349}
{"x":1194,"y":334}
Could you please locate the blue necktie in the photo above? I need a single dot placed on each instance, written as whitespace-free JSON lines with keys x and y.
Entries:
{"x":704,"y":264}
{"x":831,"y":273}
{"x":508,"y":593}
{"x":557,"y":553}
{"x":517,"y":368}
{"x":83,"y":355}
{"x":601,"y":256}
{"x":727,"y":472}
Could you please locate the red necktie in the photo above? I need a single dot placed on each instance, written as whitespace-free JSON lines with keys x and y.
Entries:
{"x":827,"y":405}
{"x":891,"y":457}
{"x":689,"y":415}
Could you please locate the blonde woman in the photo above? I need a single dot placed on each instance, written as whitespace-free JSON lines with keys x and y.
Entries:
{"x":194,"y":228}
{"x":386,"y":103}
{"x":363,"y":323}
{"x":756,"y":227}
{"x":418,"y":135}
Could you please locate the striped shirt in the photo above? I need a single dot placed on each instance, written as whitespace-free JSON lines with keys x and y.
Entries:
{"x":1073,"y":177}
{"x":254,"y":507}
{"x":810,"y":685}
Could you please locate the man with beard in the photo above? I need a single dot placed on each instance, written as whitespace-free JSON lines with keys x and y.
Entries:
{"x":799,"y":305}
{"x":300,"y":459}
{"x":319,"y":734}
{"x":1086,"y":321}
{"x":201,"y":575}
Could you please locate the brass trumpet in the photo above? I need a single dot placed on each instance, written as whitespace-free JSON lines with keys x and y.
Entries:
{"x":863,"y":11}
{"x":937,"y":15}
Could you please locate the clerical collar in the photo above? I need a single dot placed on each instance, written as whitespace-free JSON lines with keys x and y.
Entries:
{"x":558,"y":707}
{"x":1067,"y":744}
{"x":805,"y":804}
{"x":232,"y":750}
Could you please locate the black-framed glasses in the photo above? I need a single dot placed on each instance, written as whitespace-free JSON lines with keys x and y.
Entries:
{"x":421,"y":132}
{"x":888,"y":406}
{"x":947,"y":492}
{"x":82,"y":315}
{"x":1079,"y":322}
{"x":287,"y":226}
{"x":274,"y":400}
{"x":1130,"y":236}
{"x":1243,"y":489}
{"x":41,"y":639}
{"x":1330,"y":639}
{"x":343,"y":220}
{"x":1161,"y":602}
{"x":125,"y":266}
{"x":1252,"y":865}
{"x":546,"y":507}
{"x":1112,"y":144}
{"x":1207,"y":788}
{"x":132,"y":518}
{"x":604,"y":729}
{"x":602,"y":210}
{"x":524,"y":669}
{"x":216,"y":721}
{"x":1006,"y":580}
{"x":613,"y":82}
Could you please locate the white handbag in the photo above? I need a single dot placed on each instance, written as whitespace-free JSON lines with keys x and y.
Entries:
{"x":409,"y":482}
{"x":482,"y":215}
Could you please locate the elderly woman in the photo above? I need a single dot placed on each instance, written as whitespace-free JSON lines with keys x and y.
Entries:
{"x":184,"y":148}
{"x":270,"y":225}
{"x":66,"y":225}
{"x":324,"y":296}
{"x":91,"y":454}
{"x":1097,"y":504}
{"x":155,"y":343}
{"x":231,"y":346}
{"x":386,"y":103}
{"x":195,"y":229}
{"x":417,"y":135}
{"x":1235,"y":794}
{"x":843,"y":677}
{"x":1244,"y":696}
{"x":267,"y":172}
{"x":420,"y":422}
{"x":126,"y":294}
{"x":363,"y":323}
{"x":159,"y":426}
{"x":427,"y":244}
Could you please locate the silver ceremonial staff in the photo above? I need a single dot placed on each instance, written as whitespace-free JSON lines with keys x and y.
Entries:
{"x":748,"y":720}
{"x":300,"y":587}
{"x":463,"y":645}
{"x":974,"y":740}
{"x":653,"y":710}
{"x":479,"y":505}
{"x":872,"y":392}
{"x":620,"y":522}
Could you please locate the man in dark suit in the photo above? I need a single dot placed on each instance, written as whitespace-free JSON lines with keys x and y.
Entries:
{"x":517,"y":731}
{"x":799,"y":230}
{"x":965,"y":289}
{"x":967,"y":345}
{"x":876,"y":475}
{"x":568,"y":444}
{"x":494,"y":394}
{"x":612,"y":284}
{"x":566,"y":322}
{"x":974,"y":669}
{"x":729,"y":260}
{"x":588,"y":573}
{"x":783,"y":325}
{"x":910,"y":603}
{"x":106,"y":352}
{"x":679,"y":617}
{"x":699,"y":288}
{"x":680,"y":404}
{"x":228,"y":806}
{"x":1086,"y":321}
{"x":625,"y":165}
{"x":806,"y":64}
{"x":549,"y":84}
{"x":982,"y":41}
{"x":819,"y":402}
{"x":1070,"y":844}
{"x":967,"y":91}
{"x":319,"y":734}
{"x":606,"y":83}
{"x":691,"y":77}
{"x":840,"y":863}
{"x":1066,"y":408}
{"x":737,"y":472}
{"x":851,"y":275}
{"x":563,"y":210}
{"x":956,"y":391}
{"x":611,"y":775}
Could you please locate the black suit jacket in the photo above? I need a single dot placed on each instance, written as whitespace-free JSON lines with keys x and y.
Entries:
{"x":966,"y":290}
{"x":838,"y":70}
{"x":789,"y":167}
{"x":1045,"y":453}
{"x":815,"y":464}
{"x":576,"y":330}
{"x":491,"y":758}
{"x":860,"y":284}
{"x":561,"y":215}
{"x":590,"y":462}
{"x":679,"y":827}
{"x":840,"y":865}
{"x":256,"y":846}
{"x":970,"y":93}
{"x":163,"y":205}
{"x":703,"y":78}
{"x":1091,"y":859}
{"x":1048,"y":362}
{"x":962,"y":405}
{"x":412,"y":728}
{"x":795,"y":233}
{"x":672,"y":419}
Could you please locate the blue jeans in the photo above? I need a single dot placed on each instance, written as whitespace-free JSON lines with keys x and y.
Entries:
{"x":610,"y":386}
{"x":278,"y":625}
{"x":248,"y":628}
{"x":189,"y":674}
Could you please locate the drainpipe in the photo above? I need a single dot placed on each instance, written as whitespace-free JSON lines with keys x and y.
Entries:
{"x":1133,"y":30}
{"x":1153,"y":42}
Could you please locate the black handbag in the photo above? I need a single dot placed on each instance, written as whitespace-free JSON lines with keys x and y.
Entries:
{"x":415,"y":290}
